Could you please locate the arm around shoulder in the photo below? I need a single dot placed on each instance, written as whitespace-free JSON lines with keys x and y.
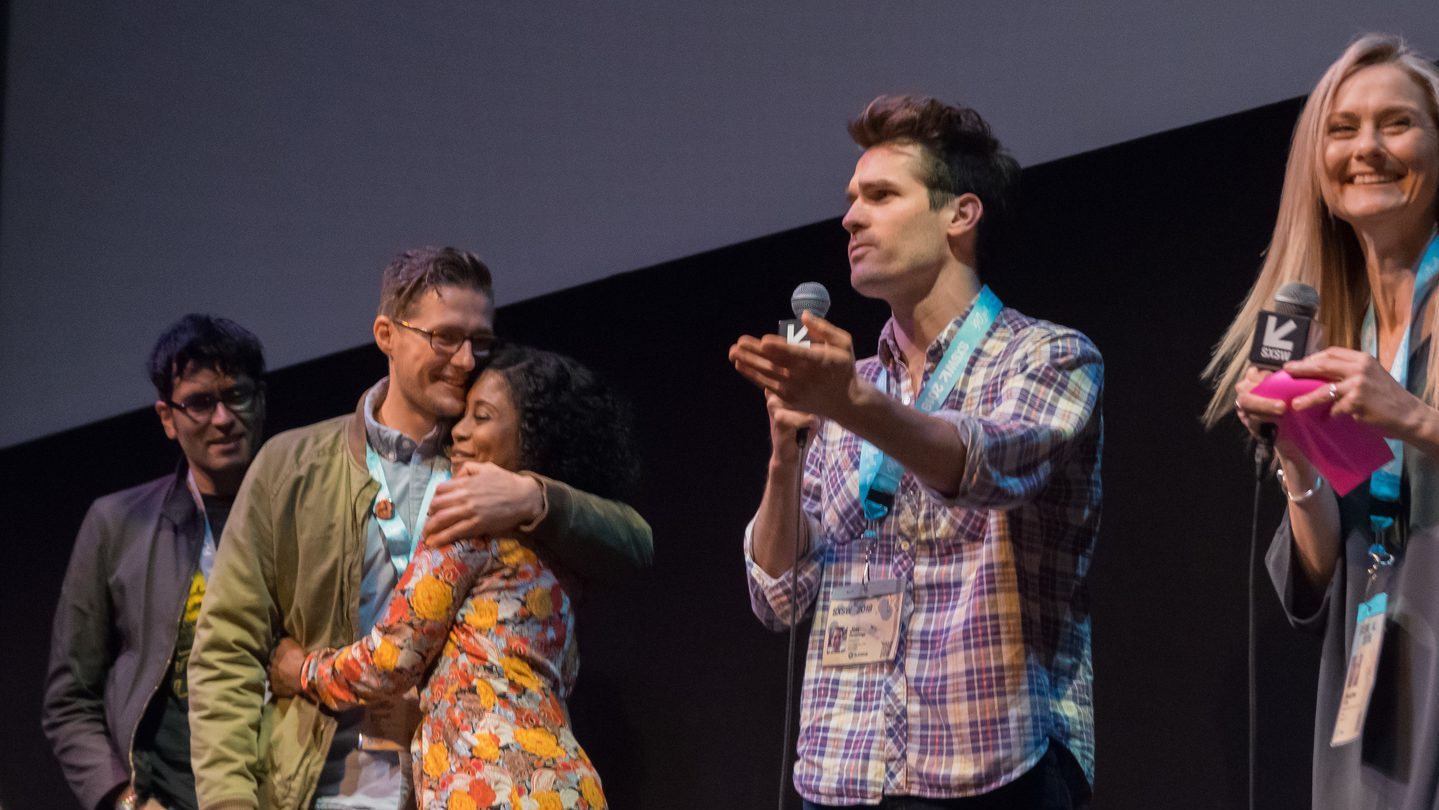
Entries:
{"x":597,"y":538}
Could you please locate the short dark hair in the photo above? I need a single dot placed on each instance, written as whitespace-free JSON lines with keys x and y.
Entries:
{"x":960,"y":153}
{"x":411,"y":273}
{"x":204,"y":341}
{"x":573,"y":427}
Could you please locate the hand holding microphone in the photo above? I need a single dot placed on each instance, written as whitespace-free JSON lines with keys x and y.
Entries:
{"x":1357,"y":384}
{"x":808,"y":368}
{"x":815,"y":373}
{"x":1282,"y":334}
{"x":789,"y":429}
{"x":1351,"y":386}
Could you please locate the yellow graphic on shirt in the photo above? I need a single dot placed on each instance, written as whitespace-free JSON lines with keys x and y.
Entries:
{"x":192,"y":602}
{"x":179,"y":684}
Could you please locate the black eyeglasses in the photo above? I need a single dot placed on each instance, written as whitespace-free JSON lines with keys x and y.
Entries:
{"x":200,"y":407}
{"x":447,"y":343}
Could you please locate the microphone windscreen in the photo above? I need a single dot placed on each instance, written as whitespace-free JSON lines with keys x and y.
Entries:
{"x":1297,"y":298}
{"x":811,"y":296}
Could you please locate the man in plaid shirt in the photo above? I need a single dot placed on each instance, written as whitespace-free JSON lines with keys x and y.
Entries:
{"x":949,"y":503}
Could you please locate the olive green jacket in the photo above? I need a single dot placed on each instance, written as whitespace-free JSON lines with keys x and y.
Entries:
{"x":289,"y":565}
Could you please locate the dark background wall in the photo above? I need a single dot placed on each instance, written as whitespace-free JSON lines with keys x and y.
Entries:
{"x":1146,"y":246}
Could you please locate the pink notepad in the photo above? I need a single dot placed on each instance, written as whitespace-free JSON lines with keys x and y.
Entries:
{"x":1345,"y":451}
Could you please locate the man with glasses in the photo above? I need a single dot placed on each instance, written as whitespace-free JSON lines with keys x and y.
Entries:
{"x":116,"y":696}
{"x":324,"y":525}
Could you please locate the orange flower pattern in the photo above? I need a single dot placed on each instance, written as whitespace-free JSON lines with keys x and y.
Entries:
{"x":495,"y":732}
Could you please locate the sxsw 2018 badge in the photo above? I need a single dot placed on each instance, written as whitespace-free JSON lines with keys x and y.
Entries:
{"x":862,"y":624}
{"x":1362,"y":672}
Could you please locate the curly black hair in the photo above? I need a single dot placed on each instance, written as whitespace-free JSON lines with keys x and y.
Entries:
{"x":573,"y":427}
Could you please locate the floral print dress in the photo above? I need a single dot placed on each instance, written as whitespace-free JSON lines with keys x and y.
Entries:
{"x":495,"y":731}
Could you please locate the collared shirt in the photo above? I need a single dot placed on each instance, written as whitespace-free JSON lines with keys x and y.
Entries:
{"x":993,"y":661}
{"x":356,"y":779}
{"x":408,"y":466}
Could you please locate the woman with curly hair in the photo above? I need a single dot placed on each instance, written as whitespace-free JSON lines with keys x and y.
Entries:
{"x":486,"y":626}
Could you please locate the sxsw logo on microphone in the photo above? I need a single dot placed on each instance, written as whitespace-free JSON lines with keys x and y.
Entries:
{"x":794,"y":332}
{"x":1279,"y":339}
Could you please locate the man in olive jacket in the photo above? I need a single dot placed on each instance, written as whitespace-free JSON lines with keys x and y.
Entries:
{"x":322,"y":526}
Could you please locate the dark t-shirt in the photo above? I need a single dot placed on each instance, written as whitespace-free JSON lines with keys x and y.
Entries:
{"x":162,"y":742}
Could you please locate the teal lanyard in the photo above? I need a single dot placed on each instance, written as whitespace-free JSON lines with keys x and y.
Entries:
{"x":879,"y":475}
{"x":1384,"y":483}
{"x":400,"y":541}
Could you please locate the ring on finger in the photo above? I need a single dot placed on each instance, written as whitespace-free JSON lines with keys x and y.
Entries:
{"x":1333,"y":392}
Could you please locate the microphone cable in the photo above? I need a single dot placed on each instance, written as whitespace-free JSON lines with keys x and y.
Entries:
{"x":810,"y":296}
{"x":1263,"y":452}
{"x":802,"y":439}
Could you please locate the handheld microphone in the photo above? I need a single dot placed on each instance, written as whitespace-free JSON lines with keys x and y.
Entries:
{"x":1283,"y":334}
{"x":813,"y":297}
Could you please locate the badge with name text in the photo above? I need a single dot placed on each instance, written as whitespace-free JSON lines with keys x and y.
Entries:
{"x":862,"y":626}
{"x":1363,"y":667}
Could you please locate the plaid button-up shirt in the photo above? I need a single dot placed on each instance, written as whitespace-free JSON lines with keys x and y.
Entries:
{"x":993,"y":662}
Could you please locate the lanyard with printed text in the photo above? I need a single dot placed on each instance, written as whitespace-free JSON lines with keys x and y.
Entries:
{"x":1384,"y":483}
{"x":399,"y":539}
{"x":879,"y":475}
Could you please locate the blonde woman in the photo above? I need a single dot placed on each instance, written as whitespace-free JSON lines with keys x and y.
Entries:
{"x":1357,"y":221}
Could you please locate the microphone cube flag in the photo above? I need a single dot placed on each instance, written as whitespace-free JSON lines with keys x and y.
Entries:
{"x":794,"y":332}
{"x":1279,"y":338}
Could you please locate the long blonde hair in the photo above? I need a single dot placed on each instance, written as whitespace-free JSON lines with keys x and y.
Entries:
{"x":1310,"y":244}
